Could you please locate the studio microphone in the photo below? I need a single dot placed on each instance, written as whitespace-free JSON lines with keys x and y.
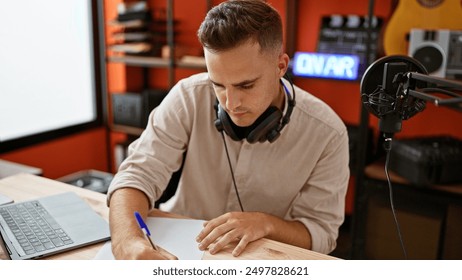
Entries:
{"x":382,"y":92}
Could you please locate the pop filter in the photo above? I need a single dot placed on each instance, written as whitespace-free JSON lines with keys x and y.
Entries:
{"x":382,"y":94}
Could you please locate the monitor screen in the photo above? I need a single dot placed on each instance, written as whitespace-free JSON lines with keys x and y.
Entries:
{"x":50,"y":76}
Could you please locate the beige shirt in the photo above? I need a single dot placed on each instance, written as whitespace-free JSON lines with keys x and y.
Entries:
{"x":302,"y":176}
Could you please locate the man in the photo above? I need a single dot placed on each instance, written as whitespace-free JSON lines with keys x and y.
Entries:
{"x":246,"y":171}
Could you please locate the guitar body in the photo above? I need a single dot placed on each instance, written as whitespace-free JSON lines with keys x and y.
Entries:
{"x":423,"y":14}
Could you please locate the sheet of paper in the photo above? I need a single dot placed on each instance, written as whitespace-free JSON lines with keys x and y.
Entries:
{"x":174,"y":235}
{"x":5,"y":199}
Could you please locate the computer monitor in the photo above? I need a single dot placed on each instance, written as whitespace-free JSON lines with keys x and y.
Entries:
{"x":52,"y":79}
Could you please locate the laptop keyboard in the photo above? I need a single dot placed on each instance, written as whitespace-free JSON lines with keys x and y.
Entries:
{"x":34,"y":229}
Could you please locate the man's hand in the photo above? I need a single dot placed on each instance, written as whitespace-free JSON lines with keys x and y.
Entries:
{"x":140,"y":249}
{"x":128,"y":241}
{"x":243,"y":226}
{"x":250,"y":226}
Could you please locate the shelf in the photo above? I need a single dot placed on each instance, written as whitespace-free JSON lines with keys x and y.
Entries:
{"x":145,"y":61}
{"x":154,"y":62}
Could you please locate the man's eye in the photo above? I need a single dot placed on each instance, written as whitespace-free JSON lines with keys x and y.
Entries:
{"x":247,"y":86}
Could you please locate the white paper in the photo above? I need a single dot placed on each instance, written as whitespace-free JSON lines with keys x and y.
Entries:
{"x":178,"y":236}
{"x":5,"y":199}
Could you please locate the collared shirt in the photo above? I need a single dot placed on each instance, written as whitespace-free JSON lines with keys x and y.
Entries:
{"x":301,"y":176}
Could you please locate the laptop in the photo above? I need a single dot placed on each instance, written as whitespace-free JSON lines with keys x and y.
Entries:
{"x":49,"y":225}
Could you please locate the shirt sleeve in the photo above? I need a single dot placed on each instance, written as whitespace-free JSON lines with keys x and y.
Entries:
{"x":158,"y":152}
{"x":320,"y":205}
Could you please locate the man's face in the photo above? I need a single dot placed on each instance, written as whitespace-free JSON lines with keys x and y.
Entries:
{"x":246,"y":82}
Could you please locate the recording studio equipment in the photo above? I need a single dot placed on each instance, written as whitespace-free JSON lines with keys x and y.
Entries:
{"x":395,"y":88}
{"x":133,"y":108}
{"x":454,"y":64}
{"x":438,"y":50}
{"x":430,"y":47}
{"x":382,"y":92}
{"x":426,"y":161}
{"x":267,"y":127}
{"x":127,"y":109}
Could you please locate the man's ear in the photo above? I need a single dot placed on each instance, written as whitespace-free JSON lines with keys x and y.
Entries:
{"x":283,"y":64}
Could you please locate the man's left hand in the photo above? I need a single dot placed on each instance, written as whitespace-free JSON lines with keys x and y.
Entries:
{"x":227,"y":228}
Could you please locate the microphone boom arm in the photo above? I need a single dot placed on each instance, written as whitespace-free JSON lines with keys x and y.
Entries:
{"x":441,"y":86}
{"x":395,"y":88}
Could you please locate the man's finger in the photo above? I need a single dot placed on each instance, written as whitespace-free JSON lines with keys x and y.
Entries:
{"x":213,"y":236}
{"x":240,"y":247}
{"x":226,"y":239}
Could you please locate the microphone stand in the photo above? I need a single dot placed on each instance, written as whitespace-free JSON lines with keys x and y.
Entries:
{"x":404,"y":94}
{"x":445,"y":88}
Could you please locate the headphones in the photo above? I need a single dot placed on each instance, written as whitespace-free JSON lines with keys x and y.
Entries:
{"x":267,"y":127}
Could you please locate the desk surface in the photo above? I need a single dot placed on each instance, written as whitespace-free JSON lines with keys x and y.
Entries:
{"x":25,"y":186}
{"x":8,"y":168}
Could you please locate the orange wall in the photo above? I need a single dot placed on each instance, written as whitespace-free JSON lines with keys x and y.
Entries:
{"x":66,"y":155}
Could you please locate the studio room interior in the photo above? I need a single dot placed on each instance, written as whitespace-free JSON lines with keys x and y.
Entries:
{"x":79,"y":80}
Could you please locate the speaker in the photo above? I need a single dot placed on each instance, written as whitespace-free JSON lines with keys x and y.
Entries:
{"x":454,"y":65}
{"x":430,"y":47}
{"x":127,"y":109}
{"x":440,"y":51}
{"x":133,"y":108}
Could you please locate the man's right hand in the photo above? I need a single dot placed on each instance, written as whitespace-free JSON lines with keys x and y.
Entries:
{"x":128,"y":241}
{"x":140,"y":249}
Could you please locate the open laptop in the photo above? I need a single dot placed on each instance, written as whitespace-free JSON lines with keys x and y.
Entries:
{"x":49,"y":225}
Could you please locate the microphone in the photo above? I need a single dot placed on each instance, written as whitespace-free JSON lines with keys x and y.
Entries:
{"x":382,"y":92}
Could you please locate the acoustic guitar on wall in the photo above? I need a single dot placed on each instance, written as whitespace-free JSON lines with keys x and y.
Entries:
{"x":423,"y":14}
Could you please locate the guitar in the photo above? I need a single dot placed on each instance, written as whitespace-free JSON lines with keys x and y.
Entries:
{"x":424,"y":14}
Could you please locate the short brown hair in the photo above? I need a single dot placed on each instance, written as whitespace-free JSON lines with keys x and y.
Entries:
{"x":235,"y":22}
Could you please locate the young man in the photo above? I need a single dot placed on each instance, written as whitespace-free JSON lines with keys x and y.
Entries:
{"x":247,"y":171}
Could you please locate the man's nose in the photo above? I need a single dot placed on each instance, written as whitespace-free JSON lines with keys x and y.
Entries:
{"x":233,"y":99}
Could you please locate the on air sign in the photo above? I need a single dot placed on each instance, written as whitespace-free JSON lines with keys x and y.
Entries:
{"x":323,"y":65}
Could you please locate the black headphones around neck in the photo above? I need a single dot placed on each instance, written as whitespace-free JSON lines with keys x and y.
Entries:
{"x":267,"y":127}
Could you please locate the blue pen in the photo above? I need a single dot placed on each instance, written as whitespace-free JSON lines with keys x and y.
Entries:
{"x":144,"y":228}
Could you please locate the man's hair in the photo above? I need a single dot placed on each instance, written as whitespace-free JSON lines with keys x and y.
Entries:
{"x":235,"y":22}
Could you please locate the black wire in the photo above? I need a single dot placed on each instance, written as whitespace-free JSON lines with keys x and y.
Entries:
{"x":232,"y":172}
{"x":387,"y":146}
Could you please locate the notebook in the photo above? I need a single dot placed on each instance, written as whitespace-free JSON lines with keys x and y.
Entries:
{"x":49,"y":225}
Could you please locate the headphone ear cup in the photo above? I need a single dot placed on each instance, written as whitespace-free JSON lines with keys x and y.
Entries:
{"x":223,"y":122}
{"x":267,"y":128}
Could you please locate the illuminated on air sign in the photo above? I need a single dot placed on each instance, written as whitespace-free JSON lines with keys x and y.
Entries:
{"x":323,"y":65}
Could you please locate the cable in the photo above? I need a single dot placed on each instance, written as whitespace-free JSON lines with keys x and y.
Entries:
{"x":387,"y":146}
{"x":232,"y":173}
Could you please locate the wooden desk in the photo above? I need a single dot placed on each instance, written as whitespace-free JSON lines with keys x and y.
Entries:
{"x":8,"y":168}
{"x":25,"y":186}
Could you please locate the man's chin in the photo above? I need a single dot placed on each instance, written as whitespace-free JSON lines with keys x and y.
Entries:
{"x":242,"y":122}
